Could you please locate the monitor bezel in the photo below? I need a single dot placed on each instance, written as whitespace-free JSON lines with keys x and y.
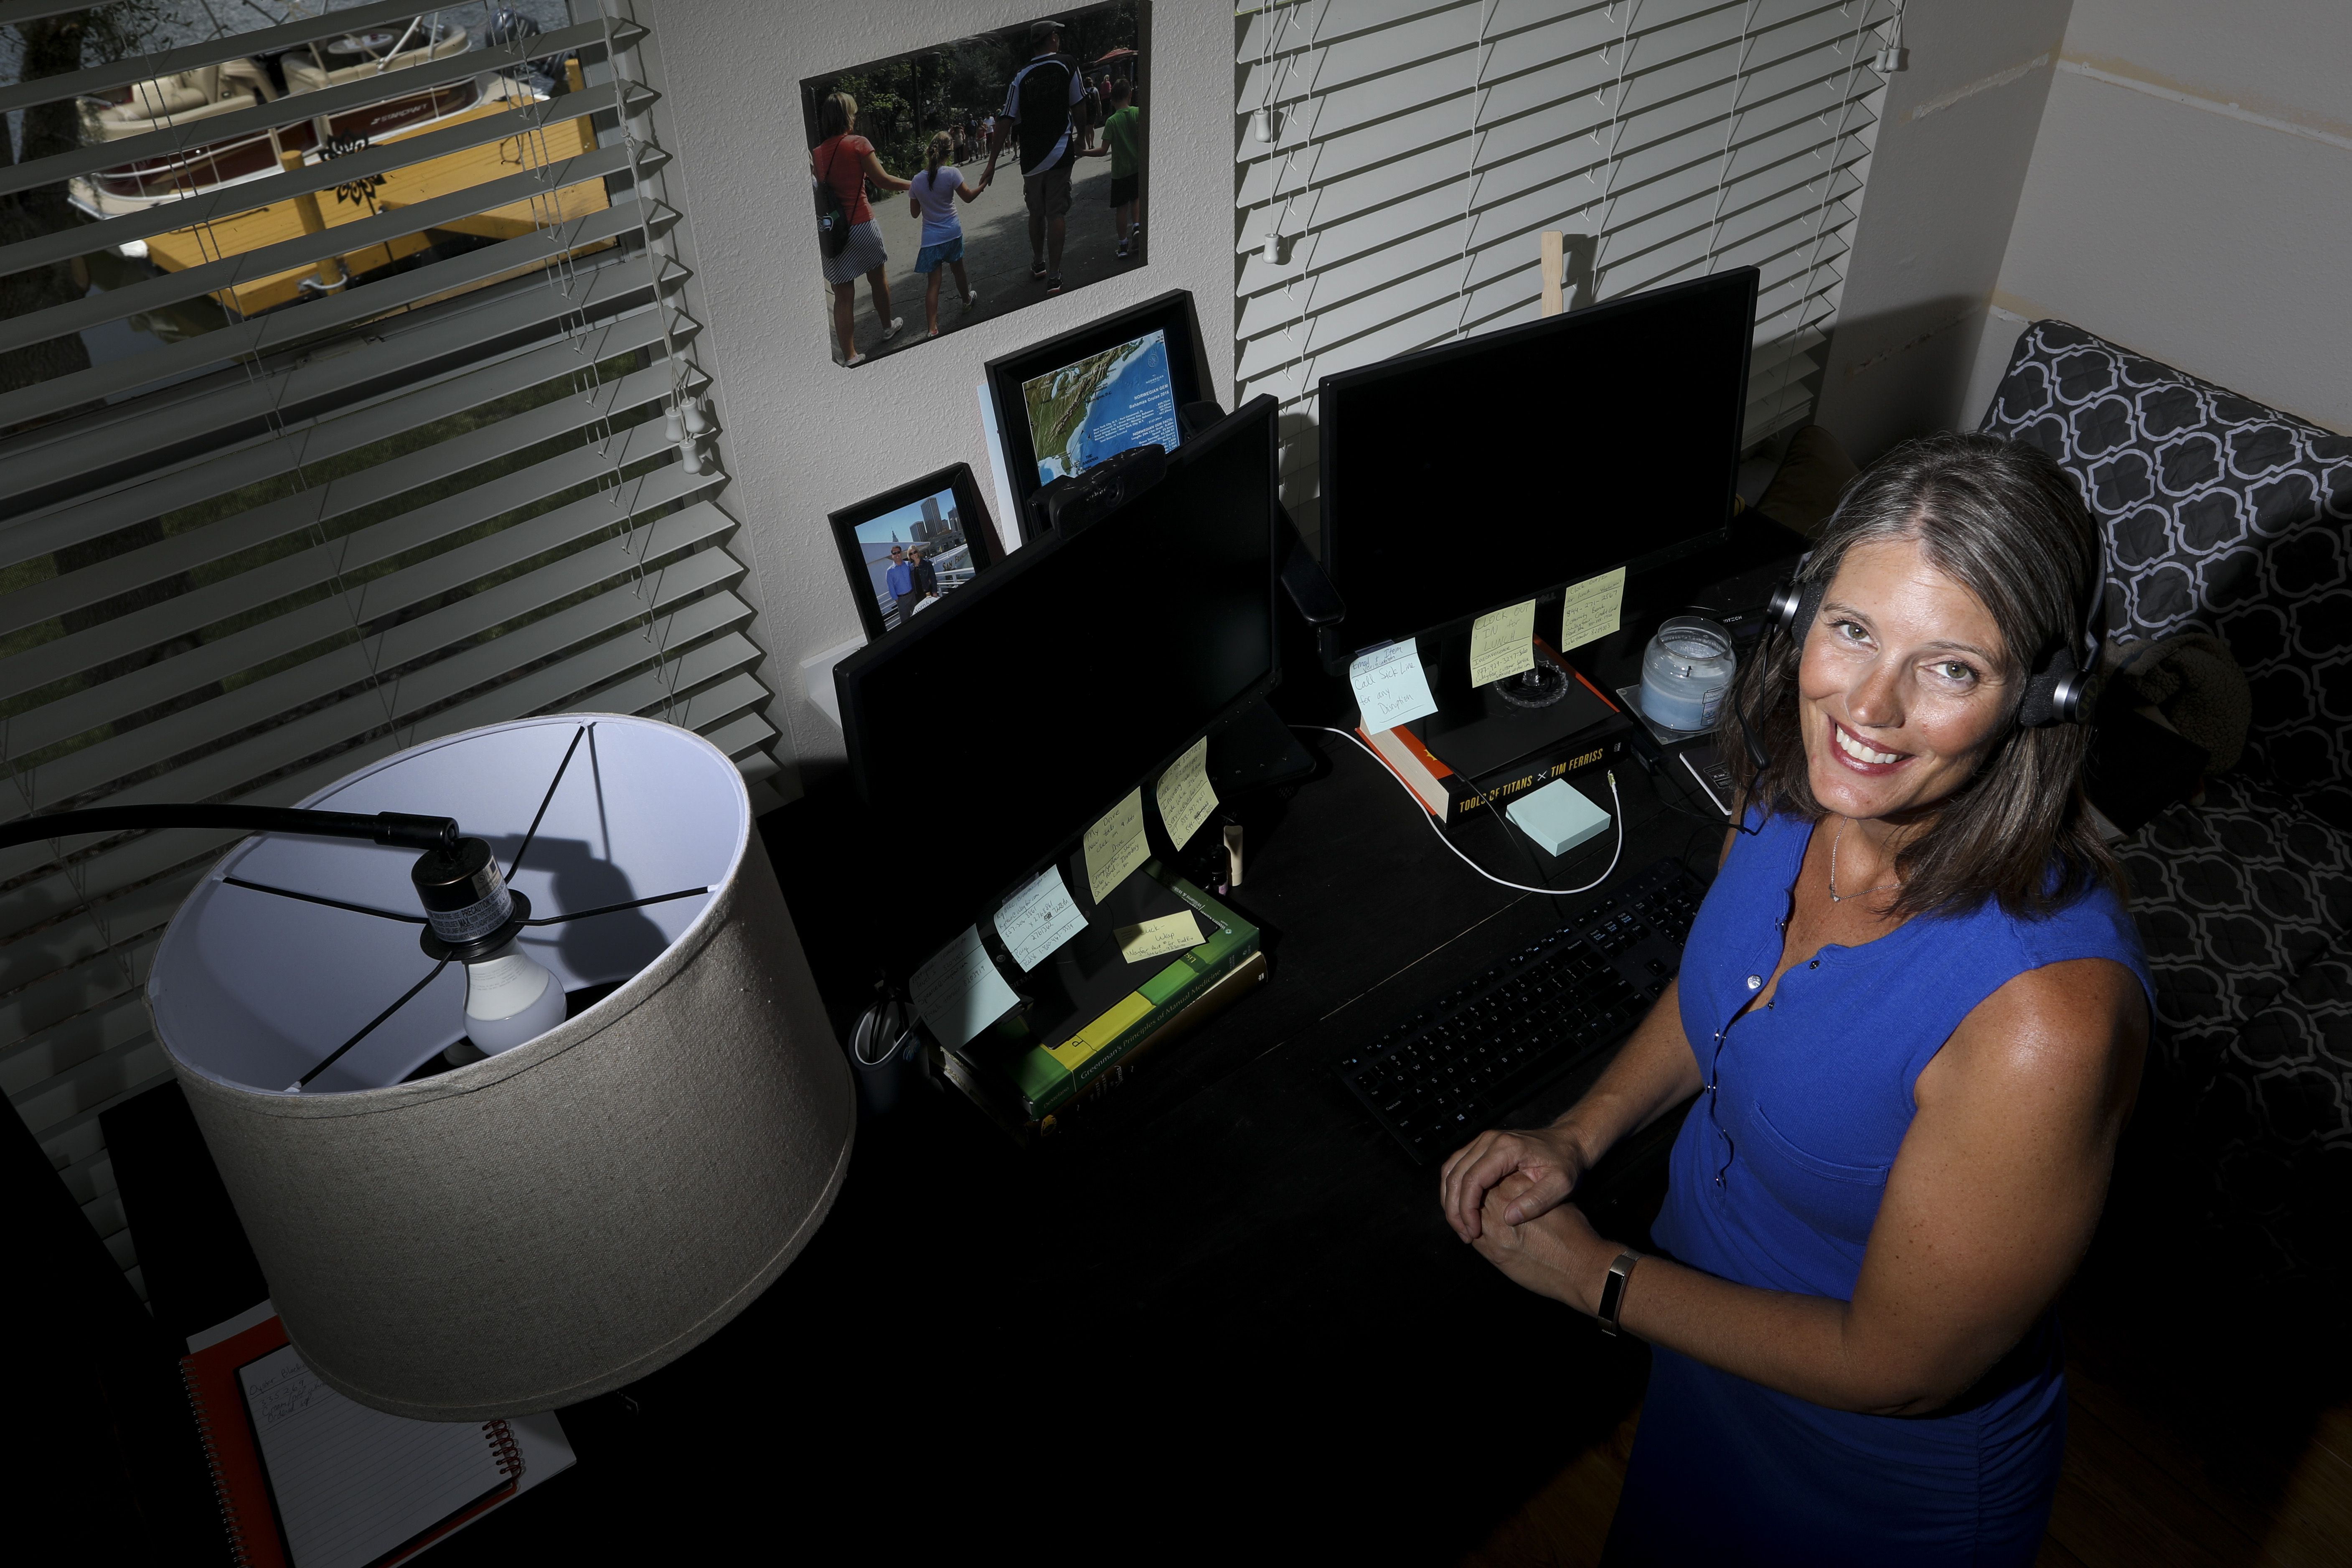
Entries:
{"x":987,"y":549}
{"x":1331,"y":525}
{"x":1172,"y":312}
{"x":850,"y":673}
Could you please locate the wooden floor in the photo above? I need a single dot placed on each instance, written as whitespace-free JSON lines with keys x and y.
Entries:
{"x":2156,"y":1475}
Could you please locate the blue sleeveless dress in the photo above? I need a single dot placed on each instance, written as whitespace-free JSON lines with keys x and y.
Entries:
{"x":1774,"y":1181}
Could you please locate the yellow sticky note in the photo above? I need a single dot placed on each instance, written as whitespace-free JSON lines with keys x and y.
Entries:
{"x":1115,"y":846}
{"x":1185,"y":795}
{"x":1179,"y":933}
{"x":1590,"y":609}
{"x":1503,"y":643}
{"x":1072,"y":1052}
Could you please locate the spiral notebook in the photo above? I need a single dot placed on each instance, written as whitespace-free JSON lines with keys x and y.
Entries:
{"x":309,"y":1478}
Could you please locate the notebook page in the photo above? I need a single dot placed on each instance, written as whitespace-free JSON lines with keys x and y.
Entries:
{"x":352,"y":1483}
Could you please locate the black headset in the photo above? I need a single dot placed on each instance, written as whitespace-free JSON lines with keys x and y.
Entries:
{"x":2064,"y":688}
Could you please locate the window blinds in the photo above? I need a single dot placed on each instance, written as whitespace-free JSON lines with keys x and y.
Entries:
{"x":347,"y":399}
{"x":1419,"y":151}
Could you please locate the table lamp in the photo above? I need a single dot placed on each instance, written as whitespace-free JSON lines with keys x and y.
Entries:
{"x":522,"y":1117}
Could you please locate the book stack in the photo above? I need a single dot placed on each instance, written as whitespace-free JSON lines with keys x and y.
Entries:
{"x":1096,"y":1013}
{"x":1482,"y":749}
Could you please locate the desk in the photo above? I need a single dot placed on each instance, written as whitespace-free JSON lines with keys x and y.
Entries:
{"x":1227,"y":1304}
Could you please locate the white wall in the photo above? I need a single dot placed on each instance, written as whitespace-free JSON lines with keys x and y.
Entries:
{"x":804,"y":436}
{"x":1953,"y":152}
{"x":2190,"y":195}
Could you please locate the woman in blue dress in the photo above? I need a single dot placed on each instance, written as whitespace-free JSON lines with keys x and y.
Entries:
{"x":1913,"y":1011}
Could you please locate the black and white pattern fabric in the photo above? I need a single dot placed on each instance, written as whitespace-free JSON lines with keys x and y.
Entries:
{"x":2226,"y":517}
{"x":2244,"y":903}
{"x":2221,"y":515}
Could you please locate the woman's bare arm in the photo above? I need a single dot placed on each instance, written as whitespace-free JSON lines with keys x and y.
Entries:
{"x":883,"y":177}
{"x":1990,"y":1206}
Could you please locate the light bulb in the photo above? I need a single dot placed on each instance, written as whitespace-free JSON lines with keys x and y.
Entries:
{"x":511,"y":998}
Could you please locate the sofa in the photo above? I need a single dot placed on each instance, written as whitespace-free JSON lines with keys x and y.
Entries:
{"x":2226,"y":517}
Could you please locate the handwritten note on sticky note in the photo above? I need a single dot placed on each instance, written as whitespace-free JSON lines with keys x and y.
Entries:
{"x":1115,"y":846}
{"x":1178,"y":932}
{"x":1037,"y":919}
{"x":1185,"y":795}
{"x":1503,"y":643}
{"x":958,"y":991}
{"x":1590,"y":608}
{"x":1390,"y":689}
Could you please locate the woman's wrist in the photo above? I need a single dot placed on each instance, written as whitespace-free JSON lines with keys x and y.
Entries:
{"x":1575,"y":1129}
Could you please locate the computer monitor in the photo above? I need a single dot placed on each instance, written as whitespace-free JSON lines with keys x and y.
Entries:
{"x":990,"y":732}
{"x":1065,"y":405}
{"x":1465,"y":478}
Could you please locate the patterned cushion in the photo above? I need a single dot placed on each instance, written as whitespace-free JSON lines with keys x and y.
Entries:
{"x":2244,"y":903}
{"x":2221,"y":515}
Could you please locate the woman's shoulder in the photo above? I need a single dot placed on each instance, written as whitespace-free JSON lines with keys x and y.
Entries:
{"x":2091,"y":923}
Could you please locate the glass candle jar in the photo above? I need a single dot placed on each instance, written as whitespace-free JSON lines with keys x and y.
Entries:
{"x":1685,"y":671}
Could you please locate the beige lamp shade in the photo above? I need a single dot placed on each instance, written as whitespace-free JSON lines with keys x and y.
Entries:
{"x":553,"y":1221}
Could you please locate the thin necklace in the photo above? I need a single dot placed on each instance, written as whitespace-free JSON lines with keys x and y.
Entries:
{"x":1837,"y":898}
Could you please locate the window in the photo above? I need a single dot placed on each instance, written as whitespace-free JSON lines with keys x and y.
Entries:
{"x":347,"y":399}
{"x":1418,"y":151}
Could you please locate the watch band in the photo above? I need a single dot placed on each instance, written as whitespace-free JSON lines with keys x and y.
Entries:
{"x":1613,"y":1290}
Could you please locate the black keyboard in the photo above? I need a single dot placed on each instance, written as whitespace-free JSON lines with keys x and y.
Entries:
{"x":1459,"y":1064}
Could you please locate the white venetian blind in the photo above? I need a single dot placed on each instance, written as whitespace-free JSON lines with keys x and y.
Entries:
{"x":347,"y":399}
{"x":1425,"y":147}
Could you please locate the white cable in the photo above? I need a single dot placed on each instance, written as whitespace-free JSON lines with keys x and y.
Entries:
{"x":1615,"y":801}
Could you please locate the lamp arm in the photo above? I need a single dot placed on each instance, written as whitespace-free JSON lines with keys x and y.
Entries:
{"x":384,"y":827}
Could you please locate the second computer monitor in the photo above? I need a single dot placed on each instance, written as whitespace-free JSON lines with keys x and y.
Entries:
{"x":990,"y":733}
{"x":1466,"y":479}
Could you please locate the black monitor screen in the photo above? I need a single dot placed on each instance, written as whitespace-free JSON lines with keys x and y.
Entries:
{"x":999,"y":725}
{"x":1464,"y":479}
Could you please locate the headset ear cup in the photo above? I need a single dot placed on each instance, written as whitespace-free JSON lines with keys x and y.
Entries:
{"x":1809,"y":605}
{"x":2048,"y":692}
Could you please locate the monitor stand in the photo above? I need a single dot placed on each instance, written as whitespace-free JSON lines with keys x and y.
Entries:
{"x":1255,"y":751}
{"x":1479,"y":729}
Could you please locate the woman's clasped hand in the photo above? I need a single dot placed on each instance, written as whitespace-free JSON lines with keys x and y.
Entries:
{"x":1505,"y":1192}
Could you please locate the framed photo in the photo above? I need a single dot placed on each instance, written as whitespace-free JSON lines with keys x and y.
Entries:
{"x":908,"y":548}
{"x":931,"y":167}
{"x":1066,"y":403}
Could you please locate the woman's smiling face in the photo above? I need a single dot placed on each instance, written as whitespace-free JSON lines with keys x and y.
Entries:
{"x":1904,"y":685}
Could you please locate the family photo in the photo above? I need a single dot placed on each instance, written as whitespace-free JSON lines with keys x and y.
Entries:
{"x":978,"y":176}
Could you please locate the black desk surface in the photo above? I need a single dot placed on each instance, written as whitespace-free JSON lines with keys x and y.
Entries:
{"x":1226,"y":1301}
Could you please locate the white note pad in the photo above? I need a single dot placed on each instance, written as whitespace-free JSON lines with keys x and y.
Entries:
{"x":1390,"y":689}
{"x":352,"y":1483}
{"x":958,"y":991}
{"x":1038,"y":918}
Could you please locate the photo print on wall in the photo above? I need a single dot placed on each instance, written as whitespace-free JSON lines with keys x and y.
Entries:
{"x":964,"y":181}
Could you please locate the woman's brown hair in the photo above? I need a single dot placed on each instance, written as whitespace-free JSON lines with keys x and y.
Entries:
{"x":2004,"y":520}
{"x":834,"y":112}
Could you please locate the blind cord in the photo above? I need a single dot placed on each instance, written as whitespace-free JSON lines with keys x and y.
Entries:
{"x":1615,"y":801}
